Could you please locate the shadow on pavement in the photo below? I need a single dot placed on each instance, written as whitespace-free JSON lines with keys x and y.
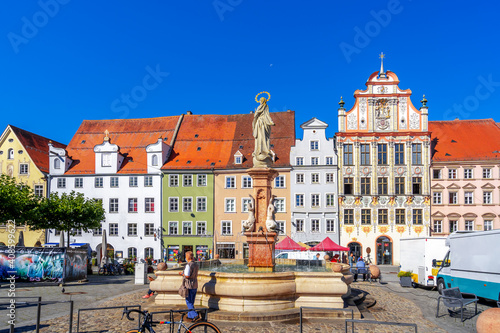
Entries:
{"x":20,"y":329}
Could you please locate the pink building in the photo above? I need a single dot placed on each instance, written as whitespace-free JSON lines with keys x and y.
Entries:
{"x":465,"y":176}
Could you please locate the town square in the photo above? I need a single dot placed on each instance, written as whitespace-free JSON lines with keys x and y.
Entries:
{"x":236,"y":166}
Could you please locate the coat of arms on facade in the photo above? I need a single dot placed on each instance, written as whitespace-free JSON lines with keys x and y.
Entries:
{"x":382,"y":113}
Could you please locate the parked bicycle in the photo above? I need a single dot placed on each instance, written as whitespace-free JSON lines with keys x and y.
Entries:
{"x":148,"y":323}
{"x":111,"y":269}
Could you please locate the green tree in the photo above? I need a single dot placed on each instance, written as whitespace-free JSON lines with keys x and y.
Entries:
{"x":69,"y":211}
{"x":17,"y":201}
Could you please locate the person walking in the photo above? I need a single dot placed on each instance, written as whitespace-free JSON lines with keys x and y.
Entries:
{"x":190,"y":278}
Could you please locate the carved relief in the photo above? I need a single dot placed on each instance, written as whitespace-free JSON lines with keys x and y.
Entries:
{"x":362,"y":113}
{"x":352,"y":121}
{"x":402,"y":113}
{"x":382,"y":171}
{"x":382,"y":113}
{"x":414,"y":121}
{"x":382,"y":90}
{"x":366,"y":171}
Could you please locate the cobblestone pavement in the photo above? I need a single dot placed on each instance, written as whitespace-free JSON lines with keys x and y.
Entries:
{"x":98,"y":288}
{"x":392,"y":304}
{"x":426,"y":300}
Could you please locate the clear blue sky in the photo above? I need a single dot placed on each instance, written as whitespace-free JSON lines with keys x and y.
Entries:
{"x":80,"y":59}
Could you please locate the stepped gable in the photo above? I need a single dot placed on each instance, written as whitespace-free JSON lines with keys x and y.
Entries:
{"x":465,"y":140}
{"x":131,"y":135}
{"x":36,"y":146}
{"x":210,"y":141}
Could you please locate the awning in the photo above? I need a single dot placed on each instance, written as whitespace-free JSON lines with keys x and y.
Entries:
{"x":78,"y":244}
{"x":328,"y":245}
{"x":288,"y":244}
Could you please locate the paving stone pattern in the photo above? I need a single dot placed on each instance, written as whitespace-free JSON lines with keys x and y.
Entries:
{"x":386,"y":301}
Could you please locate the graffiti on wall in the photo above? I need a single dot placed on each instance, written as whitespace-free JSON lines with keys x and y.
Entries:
{"x":33,"y":264}
{"x":76,"y":265}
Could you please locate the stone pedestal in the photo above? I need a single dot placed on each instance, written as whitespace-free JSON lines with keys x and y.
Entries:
{"x":261,"y":251}
{"x":260,"y":240}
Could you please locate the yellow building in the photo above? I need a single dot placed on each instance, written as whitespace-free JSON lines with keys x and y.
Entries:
{"x":25,"y":156}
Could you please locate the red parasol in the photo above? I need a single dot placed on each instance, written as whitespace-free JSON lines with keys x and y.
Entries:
{"x":328,"y":245}
{"x":288,"y":244}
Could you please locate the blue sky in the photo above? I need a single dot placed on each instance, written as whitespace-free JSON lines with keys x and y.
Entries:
{"x":64,"y":61}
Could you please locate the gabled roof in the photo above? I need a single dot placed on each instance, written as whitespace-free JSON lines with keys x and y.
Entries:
{"x":465,"y":140}
{"x":36,"y":146}
{"x":131,"y":135}
{"x":210,"y":141}
{"x":314,"y":123}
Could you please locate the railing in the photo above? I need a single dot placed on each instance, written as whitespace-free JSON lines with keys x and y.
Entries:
{"x":329,"y":309}
{"x":107,"y":308}
{"x":375,"y":322}
{"x":39,"y":304}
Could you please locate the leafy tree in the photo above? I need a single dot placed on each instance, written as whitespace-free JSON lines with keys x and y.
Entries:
{"x":17,"y":201}
{"x":69,"y":211}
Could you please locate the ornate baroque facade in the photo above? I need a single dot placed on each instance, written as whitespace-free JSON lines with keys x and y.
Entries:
{"x":384,"y":157}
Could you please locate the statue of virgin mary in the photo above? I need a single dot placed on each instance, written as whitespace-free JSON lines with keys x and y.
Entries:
{"x":262,"y":122}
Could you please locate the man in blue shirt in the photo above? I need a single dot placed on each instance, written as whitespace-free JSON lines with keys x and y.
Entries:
{"x":361,"y":269}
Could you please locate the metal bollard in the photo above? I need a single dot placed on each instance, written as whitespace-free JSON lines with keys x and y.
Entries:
{"x":70,"y":316}
{"x":38,"y":314}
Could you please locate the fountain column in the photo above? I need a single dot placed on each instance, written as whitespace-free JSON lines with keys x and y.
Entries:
{"x":260,"y":240}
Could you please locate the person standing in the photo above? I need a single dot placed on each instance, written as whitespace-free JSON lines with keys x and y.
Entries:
{"x":352,"y":259}
{"x":190,"y":275}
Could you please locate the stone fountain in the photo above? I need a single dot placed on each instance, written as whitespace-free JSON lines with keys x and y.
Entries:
{"x":261,"y":289}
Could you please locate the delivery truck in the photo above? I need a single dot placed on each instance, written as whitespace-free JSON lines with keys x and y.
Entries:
{"x":422,"y":256}
{"x":472,"y":264}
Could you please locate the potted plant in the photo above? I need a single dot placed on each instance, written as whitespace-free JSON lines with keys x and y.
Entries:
{"x":405,"y":278}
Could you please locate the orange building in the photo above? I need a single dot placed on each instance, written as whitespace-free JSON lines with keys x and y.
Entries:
{"x":233,"y":185}
{"x":465,"y":175}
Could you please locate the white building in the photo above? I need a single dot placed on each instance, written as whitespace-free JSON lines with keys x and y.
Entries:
{"x":122,"y":169}
{"x":314,"y":185}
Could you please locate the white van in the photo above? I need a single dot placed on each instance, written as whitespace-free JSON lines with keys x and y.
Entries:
{"x":472,"y":264}
{"x":302,"y":255}
{"x":420,"y":256}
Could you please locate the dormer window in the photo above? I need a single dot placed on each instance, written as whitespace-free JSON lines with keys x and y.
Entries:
{"x":154,"y":160}
{"x":106,"y":160}
{"x":238,"y":157}
{"x":10,"y":155}
{"x":57,"y":163}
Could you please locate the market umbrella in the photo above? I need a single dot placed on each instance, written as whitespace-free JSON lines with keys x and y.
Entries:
{"x":20,"y":242}
{"x":307,"y":247}
{"x":104,"y":248}
{"x":288,"y":244}
{"x":328,"y":245}
{"x":61,"y":239}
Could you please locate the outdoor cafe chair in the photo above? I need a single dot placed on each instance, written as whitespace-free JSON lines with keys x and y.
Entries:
{"x":453,"y":298}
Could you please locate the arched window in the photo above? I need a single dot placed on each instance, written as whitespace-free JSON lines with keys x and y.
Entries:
{"x":57,"y":164}
{"x":132,"y":252}
{"x":10,"y":155}
{"x":154,"y":160}
{"x":149,"y":252}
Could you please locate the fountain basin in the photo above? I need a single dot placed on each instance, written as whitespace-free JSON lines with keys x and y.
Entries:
{"x":257,"y":292}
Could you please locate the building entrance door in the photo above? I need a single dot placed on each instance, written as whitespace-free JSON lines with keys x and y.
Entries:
{"x":384,"y":251}
{"x":356,"y":249}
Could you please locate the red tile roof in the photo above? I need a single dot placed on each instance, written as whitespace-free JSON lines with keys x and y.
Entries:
{"x":131,"y":135}
{"x":36,"y":146}
{"x":465,"y":140}
{"x":210,"y":141}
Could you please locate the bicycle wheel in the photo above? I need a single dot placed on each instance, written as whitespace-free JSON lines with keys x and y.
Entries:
{"x":203,"y":327}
